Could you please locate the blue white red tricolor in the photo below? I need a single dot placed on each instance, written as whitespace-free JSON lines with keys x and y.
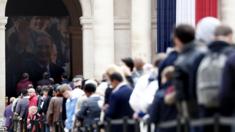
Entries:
{"x":173,"y":12}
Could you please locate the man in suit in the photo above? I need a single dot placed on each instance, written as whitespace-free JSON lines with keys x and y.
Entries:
{"x":119,"y":106}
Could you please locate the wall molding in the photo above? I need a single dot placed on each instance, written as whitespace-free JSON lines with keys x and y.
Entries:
{"x":119,"y":23}
{"x":154,"y":23}
{"x":87,"y":23}
{"x":122,"y":23}
{"x":3,"y":22}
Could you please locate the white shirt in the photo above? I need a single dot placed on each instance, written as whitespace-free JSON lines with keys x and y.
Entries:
{"x":119,"y":86}
{"x":143,"y":94}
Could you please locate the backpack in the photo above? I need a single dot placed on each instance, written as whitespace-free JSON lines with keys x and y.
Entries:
{"x":209,"y":79}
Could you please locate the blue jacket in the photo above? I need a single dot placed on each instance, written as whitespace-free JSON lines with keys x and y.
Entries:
{"x":119,"y":103}
{"x":119,"y":106}
{"x":70,"y":112}
{"x":160,"y":112}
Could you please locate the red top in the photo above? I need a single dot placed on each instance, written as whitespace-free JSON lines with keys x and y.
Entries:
{"x":33,"y":101}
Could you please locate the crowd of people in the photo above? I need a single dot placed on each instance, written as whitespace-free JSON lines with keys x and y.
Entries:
{"x":193,"y":80}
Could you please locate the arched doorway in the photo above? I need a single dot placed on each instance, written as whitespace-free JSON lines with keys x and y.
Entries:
{"x":44,"y":10}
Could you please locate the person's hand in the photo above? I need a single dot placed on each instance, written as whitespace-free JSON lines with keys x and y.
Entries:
{"x":105,"y":107}
{"x":19,"y":118}
{"x":169,"y":99}
{"x":135,"y":116}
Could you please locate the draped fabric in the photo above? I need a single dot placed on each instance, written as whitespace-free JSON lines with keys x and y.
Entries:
{"x":206,"y":8}
{"x":174,"y":12}
{"x":185,"y":12}
{"x":166,"y":19}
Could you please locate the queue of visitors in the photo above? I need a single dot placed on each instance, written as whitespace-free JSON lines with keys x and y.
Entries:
{"x":194,"y":80}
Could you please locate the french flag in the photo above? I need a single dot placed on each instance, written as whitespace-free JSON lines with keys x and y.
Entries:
{"x":173,"y":12}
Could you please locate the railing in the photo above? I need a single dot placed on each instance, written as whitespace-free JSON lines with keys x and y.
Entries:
{"x":181,"y":125}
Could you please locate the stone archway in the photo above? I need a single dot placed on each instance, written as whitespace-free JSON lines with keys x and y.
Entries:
{"x":75,"y":30}
{"x":77,"y":23}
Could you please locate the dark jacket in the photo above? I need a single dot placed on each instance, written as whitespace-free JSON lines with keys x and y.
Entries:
{"x":90,"y":111}
{"x":225,"y":48}
{"x":43,"y":104}
{"x":107,"y":95}
{"x":64,"y":117}
{"x":8,"y":114}
{"x":119,"y":103}
{"x":227,"y":91}
{"x":119,"y":106}
{"x":22,"y":107}
{"x":186,"y":67}
{"x":169,"y":61}
{"x":160,"y":112}
{"x":220,"y":46}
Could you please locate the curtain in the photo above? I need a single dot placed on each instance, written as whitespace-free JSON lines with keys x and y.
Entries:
{"x":206,"y":8}
{"x":166,"y":19}
{"x":185,"y":12}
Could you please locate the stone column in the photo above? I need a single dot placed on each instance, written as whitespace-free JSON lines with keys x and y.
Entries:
{"x":228,"y":12}
{"x":154,"y":30}
{"x":103,"y":35}
{"x":141,"y":29}
{"x":122,"y":38}
{"x":88,"y":47}
{"x":3,"y":21}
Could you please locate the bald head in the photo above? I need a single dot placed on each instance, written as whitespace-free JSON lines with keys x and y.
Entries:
{"x":139,"y":63}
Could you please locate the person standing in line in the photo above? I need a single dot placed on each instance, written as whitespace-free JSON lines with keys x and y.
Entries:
{"x":119,"y":106}
{"x":54,"y":112}
{"x":21,"y":110}
{"x":8,"y":115}
{"x":43,"y":103}
{"x":70,"y":107}
{"x":32,"y":107}
{"x":90,"y":111}
{"x":139,"y":69}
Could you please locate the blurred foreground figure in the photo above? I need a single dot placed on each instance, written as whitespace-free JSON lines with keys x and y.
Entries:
{"x":210,"y":72}
{"x":185,"y":69}
{"x":8,"y":115}
{"x":54,"y":112}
